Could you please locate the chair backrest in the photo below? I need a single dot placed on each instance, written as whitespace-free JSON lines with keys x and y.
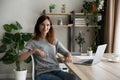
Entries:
{"x":33,"y":68}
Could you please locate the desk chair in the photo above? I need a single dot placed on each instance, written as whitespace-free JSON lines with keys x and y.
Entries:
{"x":61,"y":65}
{"x":33,"y":68}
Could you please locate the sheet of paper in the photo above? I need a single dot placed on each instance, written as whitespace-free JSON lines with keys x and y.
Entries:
{"x":85,"y":57}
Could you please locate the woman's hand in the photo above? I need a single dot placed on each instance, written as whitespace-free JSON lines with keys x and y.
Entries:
{"x":40,"y":52}
{"x":68,"y":57}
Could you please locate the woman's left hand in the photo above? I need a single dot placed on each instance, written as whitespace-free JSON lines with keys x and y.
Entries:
{"x":68,"y":57}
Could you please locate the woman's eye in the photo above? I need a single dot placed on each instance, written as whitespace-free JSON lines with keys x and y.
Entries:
{"x":41,"y":25}
{"x":48,"y":24}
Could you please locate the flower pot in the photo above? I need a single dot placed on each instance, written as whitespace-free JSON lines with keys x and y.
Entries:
{"x":80,"y":48}
{"x":89,"y":53}
{"x":20,"y":75}
{"x":94,"y":8}
{"x":52,"y":10}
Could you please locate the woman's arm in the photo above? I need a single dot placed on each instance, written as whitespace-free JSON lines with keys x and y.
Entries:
{"x":68,"y":57}
{"x":25,"y":55}
{"x":62,"y":50}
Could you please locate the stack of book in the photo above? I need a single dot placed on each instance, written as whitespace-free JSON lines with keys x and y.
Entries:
{"x":80,"y":22}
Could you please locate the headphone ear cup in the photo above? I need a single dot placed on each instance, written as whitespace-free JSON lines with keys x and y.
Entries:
{"x":50,"y":27}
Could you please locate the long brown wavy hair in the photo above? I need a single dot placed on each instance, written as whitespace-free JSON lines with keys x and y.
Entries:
{"x":37,"y":34}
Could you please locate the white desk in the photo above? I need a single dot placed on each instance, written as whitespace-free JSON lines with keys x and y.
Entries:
{"x":102,"y":71}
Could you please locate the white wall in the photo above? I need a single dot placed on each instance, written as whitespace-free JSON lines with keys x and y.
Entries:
{"x":26,"y":12}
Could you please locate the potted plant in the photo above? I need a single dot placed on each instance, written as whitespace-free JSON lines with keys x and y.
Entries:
{"x":63,"y":8}
{"x":87,"y":9}
{"x":52,"y":7}
{"x":80,"y":40}
{"x":12,"y":42}
{"x":89,"y":51}
{"x":91,"y":11}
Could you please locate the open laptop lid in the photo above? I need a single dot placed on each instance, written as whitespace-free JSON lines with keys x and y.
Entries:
{"x":99,"y":53}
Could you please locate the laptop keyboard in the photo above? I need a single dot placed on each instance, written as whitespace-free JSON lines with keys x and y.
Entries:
{"x":88,"y":61}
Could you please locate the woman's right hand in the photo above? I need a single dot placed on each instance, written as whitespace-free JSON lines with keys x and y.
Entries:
{"x":40,"y":52}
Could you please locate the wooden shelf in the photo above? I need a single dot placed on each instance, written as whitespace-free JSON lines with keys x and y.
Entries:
{"x":58,"y":13}
{"x":69,"y":25}
{"x":90,"y":26}
{"x":80,"y":14}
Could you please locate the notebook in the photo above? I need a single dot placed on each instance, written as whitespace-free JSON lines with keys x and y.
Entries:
{"x":94,"y":59}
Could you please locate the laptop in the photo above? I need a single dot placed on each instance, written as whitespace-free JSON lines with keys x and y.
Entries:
{"x":93,"y":59}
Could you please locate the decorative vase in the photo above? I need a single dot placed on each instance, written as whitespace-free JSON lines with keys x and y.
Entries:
{"x":80,"y":48}
{"x":89,"y":53}
{"x":63,"y":8}
{"x":60,"y":22}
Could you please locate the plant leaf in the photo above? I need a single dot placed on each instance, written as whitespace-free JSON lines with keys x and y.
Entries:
{"x":17,"y":37}
{"x":7,"y":27}
{"x":27,"y":36}
{"x":18,"y":25}
{"x":8,"y":58}
{"x":7,"y":38}
{"x":21,"y":45}
{"x":28,"y":60}
{"x":13,"y":27}
{"x":3,"y":48}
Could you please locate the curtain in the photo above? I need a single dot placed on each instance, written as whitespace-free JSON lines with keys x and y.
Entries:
{"x":112,"y":26}
{"x":116,"y":46}
{"x":109,"y":26}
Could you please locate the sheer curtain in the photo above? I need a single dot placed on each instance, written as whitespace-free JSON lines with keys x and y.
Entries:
{"x":116,"y":46}
{"x":112,"y":26}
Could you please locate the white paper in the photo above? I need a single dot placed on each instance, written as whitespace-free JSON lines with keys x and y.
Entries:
{"x":85,"y":57}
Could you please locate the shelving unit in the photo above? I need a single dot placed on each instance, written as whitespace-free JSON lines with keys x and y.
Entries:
{"x":78,"y":16}
{"x":60,"y":14}
{"x":70,"y":26}
{"x":65,"y":25}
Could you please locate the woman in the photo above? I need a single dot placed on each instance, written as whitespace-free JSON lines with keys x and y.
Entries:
{"x":44,"y":48}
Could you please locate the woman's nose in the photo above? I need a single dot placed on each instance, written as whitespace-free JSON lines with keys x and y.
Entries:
{"x":45,"y":27}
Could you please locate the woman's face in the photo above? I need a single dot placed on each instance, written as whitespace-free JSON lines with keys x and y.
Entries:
{"x":44,"y":27}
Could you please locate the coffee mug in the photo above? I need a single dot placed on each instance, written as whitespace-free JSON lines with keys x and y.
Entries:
{"x":116,"y":58}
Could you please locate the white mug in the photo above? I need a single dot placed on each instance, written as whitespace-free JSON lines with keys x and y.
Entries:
{"x":115,"y":58}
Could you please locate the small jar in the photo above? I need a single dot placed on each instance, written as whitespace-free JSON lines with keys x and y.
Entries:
{"x":60,"y":21}
{"x":63,"y":8}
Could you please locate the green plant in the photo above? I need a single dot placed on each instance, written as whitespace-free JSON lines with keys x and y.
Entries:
{"x":12,"y":42}
{"x":91,"y":11}
{"x":86,"y":9}
{"x":52,"y":6}
{"x":79,"y":39}
{"x":89,"y":48}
